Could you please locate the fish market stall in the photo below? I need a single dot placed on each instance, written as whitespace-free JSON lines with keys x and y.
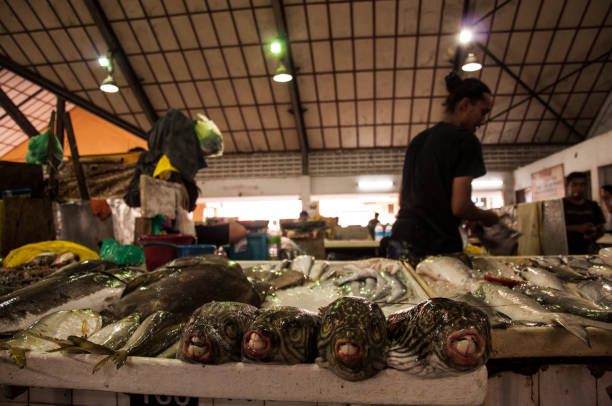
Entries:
{"x":435,"y":350}
{"x":301,"y":383}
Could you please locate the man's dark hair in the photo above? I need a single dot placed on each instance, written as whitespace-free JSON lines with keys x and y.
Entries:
{"x":303,"y":213}
{"x":607,"y":188}
{"x":575,"y":175}
{"x":459,"y":88}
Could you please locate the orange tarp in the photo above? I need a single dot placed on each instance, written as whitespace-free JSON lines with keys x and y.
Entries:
{"x":94,"y":136}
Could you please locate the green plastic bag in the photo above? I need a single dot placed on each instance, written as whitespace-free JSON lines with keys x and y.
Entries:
{"x":113,"y":251}
{"x":38,"y":149}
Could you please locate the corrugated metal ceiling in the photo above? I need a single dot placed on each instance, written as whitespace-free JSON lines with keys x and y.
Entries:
{"x":370,"y":74}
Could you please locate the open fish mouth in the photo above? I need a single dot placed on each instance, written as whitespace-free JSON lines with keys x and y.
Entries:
{"x":197,"y":348}
{"x":256,"y":345}
{"x":465,"y":347}
{"x":349,"y":352}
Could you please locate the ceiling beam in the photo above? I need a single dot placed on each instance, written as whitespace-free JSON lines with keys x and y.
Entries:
{"x":118,"y":54}
{"x":531,"y":92}
{"x":69,"y":96}
{"x":490,"y":13}
{"x":561,"y":79}
{"x":17,"y":116}
{"x":281,"y":27}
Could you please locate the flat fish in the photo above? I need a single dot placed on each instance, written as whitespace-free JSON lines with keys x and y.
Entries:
{"x":183,"y":285}
{"x":437,"y":338}
{"x":214,"y":332}
{"x":352,"y":338}
{"x":282,"y":335}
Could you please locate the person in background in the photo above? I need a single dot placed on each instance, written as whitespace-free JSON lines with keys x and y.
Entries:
{"x":584,"y":219}
{"x":439,"y":166}
{"x":303,"y":216}
{"x":606,"y":201}
{"x":372,"y":225}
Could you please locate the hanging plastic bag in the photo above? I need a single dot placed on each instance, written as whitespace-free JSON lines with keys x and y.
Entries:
{"x":38,"y":147}
{"x":209,"y":136}
{"x":114,"y":251}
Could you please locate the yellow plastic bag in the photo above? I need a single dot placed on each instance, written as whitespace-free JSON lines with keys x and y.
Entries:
{"x":27,"y":252}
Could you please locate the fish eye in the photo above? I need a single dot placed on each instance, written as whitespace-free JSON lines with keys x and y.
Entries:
{"x":231,"y":330}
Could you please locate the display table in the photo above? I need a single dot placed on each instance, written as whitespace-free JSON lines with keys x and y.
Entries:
{"x":351,"y":249}
{"x":303,"y":382}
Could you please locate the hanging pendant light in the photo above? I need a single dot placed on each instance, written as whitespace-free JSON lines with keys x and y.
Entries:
{"x":282,"y":75}
{"x":471,"y":64}
{"x":108,"y":85}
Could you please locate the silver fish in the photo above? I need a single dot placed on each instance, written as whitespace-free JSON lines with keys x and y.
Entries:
{"x":156,"y":333}
{"x":541,"y":277}
{"x":598,"y":290}
{"x":448,"y":269}
{"x":89,"y":284}
{"x":116,"y":334}
{"x":317,"y":269}
{"x":521,"y":308}
{"x":49,"y":331}
{"x":560,"y":301}
{"x":302,"y":263}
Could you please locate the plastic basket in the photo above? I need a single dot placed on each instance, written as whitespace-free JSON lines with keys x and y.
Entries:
{"x":160,"y":249}
{"x":257,"y":248}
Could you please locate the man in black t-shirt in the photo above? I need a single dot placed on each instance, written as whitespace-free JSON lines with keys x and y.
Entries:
{"x":438,"y":170}
{"x":584,"y":219}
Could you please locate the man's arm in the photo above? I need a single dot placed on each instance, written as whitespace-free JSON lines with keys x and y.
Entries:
{"x":462,"y":205}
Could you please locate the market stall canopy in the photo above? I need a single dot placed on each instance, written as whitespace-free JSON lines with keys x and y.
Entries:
{"x":366,"y":74}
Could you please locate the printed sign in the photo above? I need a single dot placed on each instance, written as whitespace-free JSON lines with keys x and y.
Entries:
{"x":548,"y":184}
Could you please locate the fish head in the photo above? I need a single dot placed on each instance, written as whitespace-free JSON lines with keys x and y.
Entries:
{"x":352,"y":338}
{"x":284,"y":335}
{"x":459,"y":334}
{"x":213,"y":334}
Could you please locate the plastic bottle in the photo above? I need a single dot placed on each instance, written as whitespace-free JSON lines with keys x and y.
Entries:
{"x":274,"y":239}
{"x":388,"y":229}
{"x":379,"y":231}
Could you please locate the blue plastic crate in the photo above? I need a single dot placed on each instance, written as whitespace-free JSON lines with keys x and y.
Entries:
{"x":195,"y":249}
{"x":257,"y":248}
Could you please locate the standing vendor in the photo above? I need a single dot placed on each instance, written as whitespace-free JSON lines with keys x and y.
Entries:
{"x":583,"y":217}
{"x":438,"y":170}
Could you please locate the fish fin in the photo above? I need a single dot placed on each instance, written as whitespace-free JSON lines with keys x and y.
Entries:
{"x":72,"y":349}
{"x":18,"y":355}
{"x":100,"y":364}
{"x":120,"y":358}
{"x":574,"y":328}
{"x":89,"y":347}
{"x":57,"y":341}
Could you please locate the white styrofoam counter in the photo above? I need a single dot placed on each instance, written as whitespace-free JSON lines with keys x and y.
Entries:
{"x":303,"y":382}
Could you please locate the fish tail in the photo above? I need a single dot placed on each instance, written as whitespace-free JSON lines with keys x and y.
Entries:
{"x":119,"y":358}
{"x":574,"y":328}
{"x":18,"y":356}
{"x":100,"y":364}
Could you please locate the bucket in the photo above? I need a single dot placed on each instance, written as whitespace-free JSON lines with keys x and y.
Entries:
{"x":160,"y":249}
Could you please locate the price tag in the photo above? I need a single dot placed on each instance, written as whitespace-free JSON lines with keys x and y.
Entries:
{"x":162,"y":400}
